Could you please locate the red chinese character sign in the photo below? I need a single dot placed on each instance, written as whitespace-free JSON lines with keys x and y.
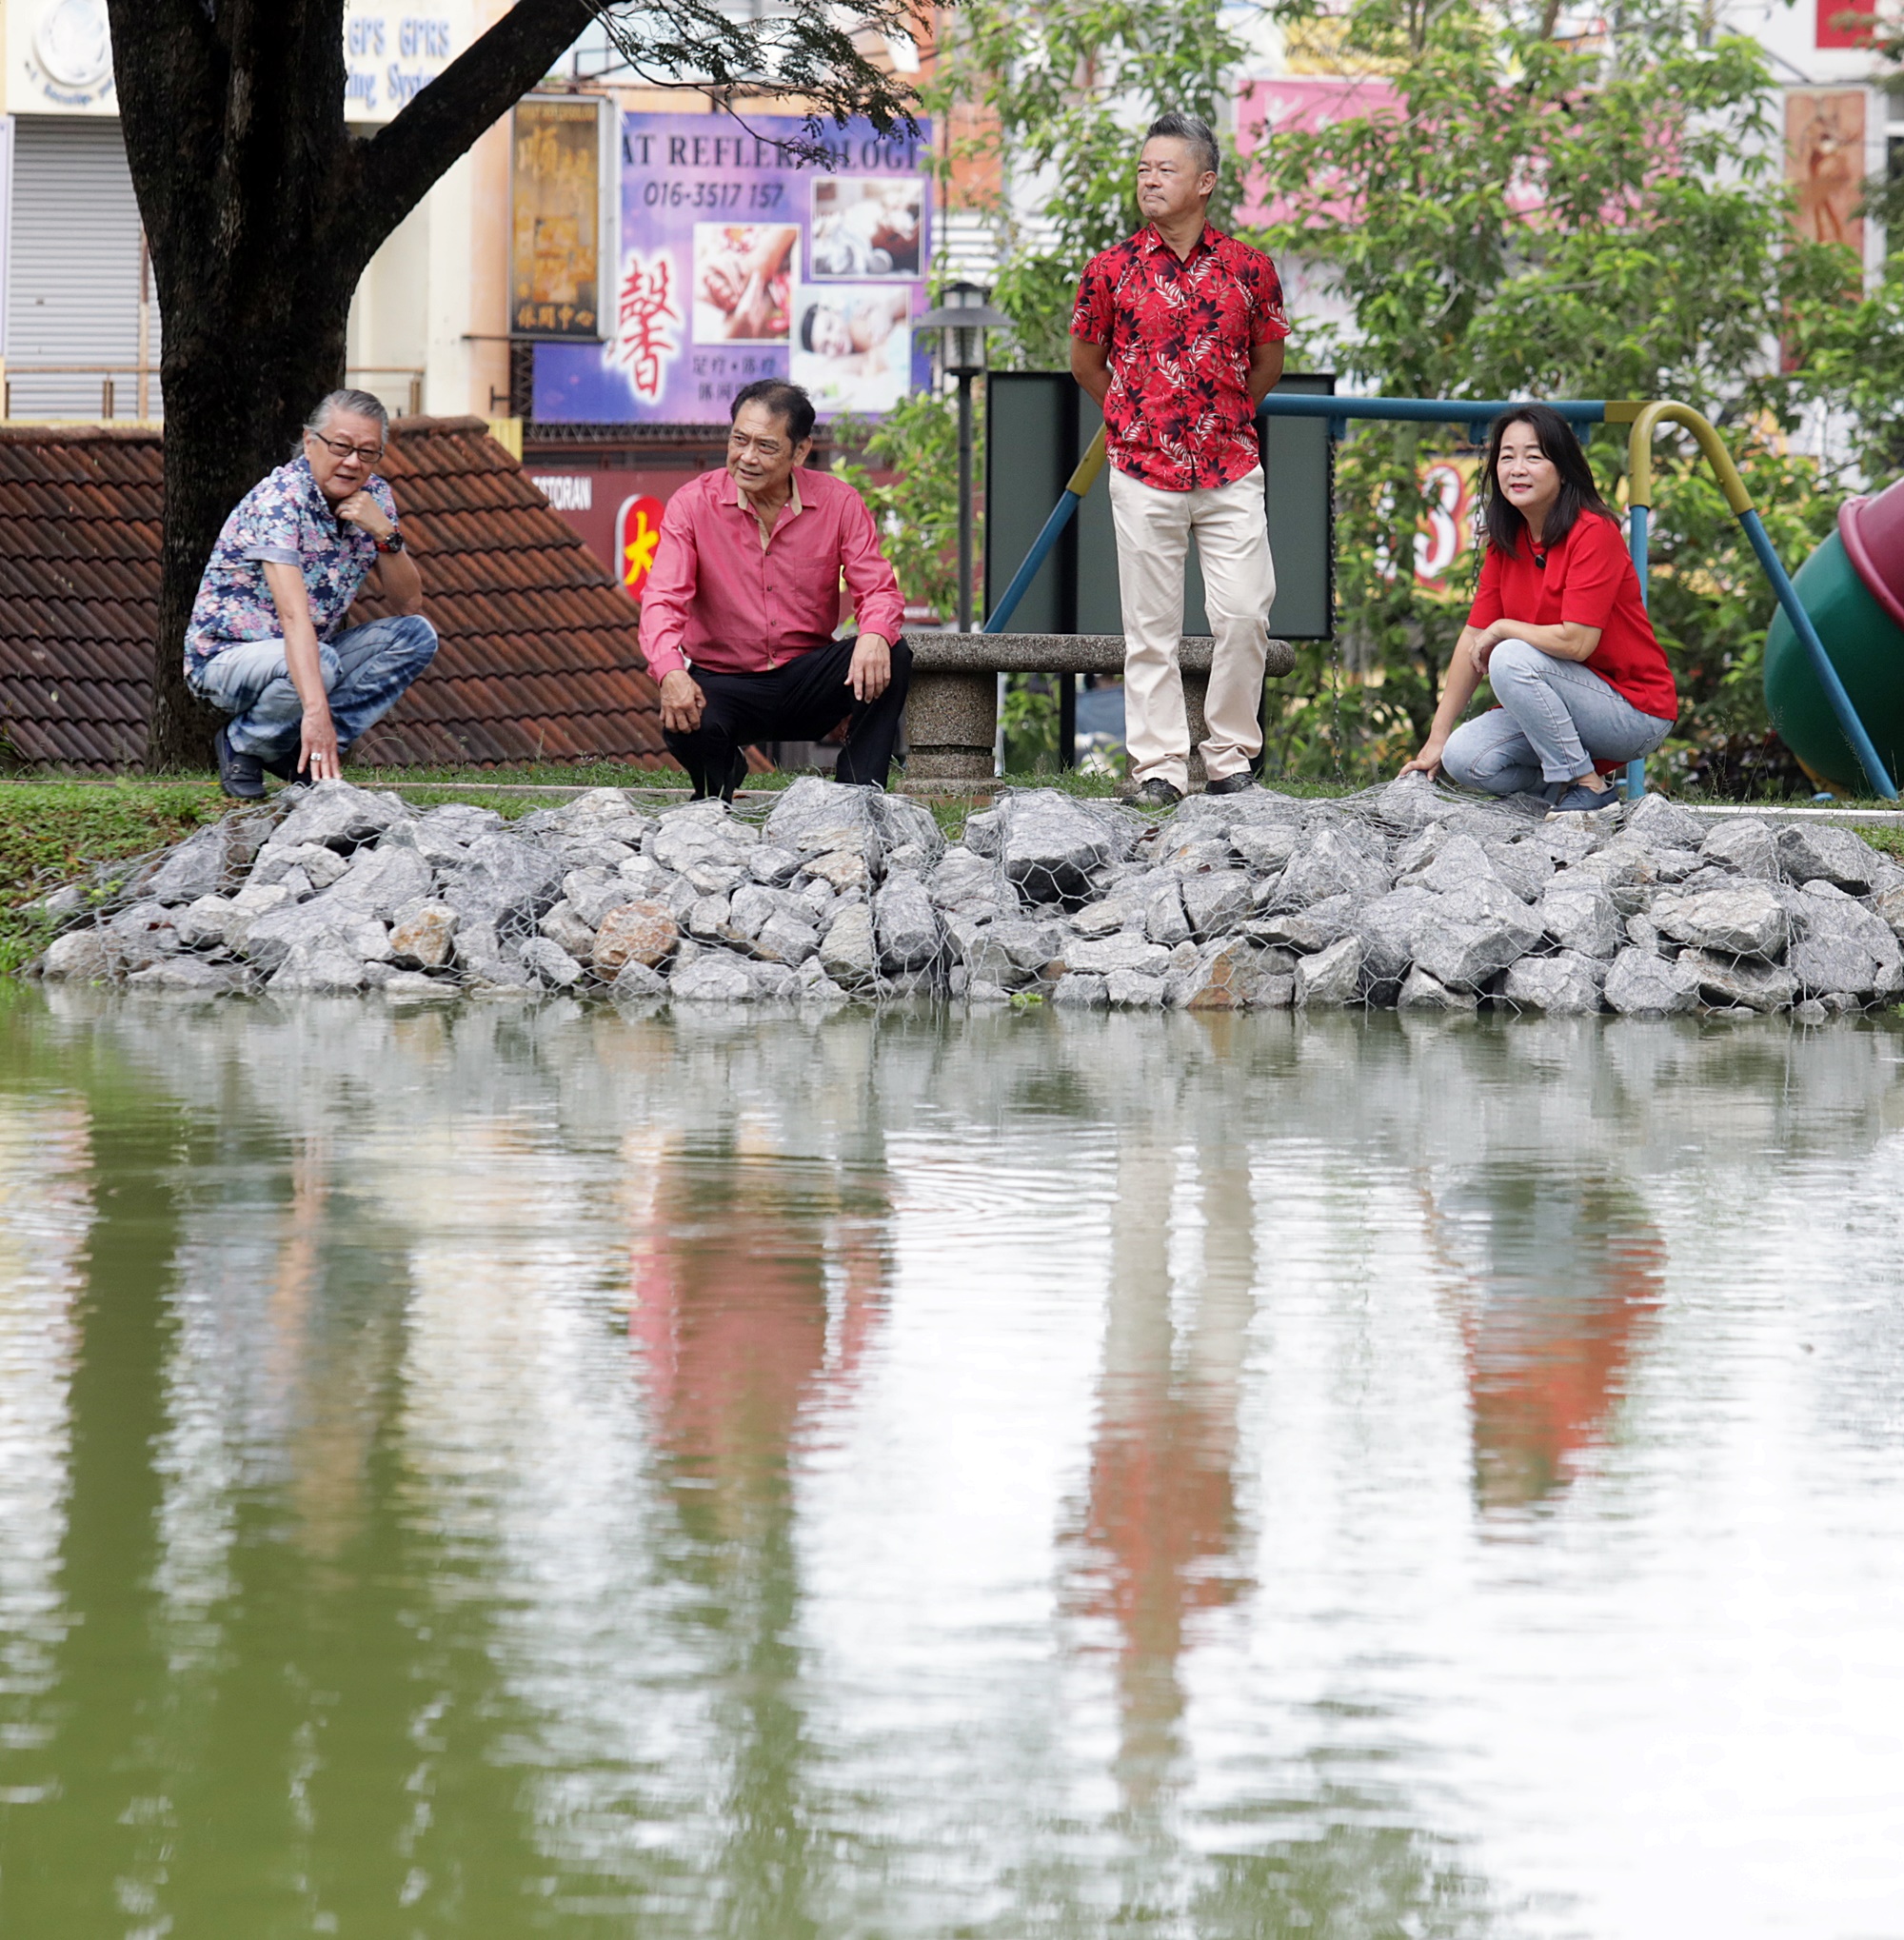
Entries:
{"x":740,"y":259}
{"x":636,"y":533}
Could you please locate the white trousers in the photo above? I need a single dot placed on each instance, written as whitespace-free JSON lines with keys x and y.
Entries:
{"x":1154,"y":529}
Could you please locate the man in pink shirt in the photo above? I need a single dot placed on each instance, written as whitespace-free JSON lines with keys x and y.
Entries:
{"x":741,"y":606}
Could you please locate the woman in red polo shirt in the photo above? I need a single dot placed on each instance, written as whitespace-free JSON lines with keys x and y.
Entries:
{"x":1559,"y":632}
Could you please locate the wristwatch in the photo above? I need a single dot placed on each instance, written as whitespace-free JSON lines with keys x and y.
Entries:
{"x":393,"y":543}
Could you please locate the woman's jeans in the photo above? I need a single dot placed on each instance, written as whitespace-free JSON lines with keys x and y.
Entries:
{"x":1553,"y":721}
{"x":366,"y":672}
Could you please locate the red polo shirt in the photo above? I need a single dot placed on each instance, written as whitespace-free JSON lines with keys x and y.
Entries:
{"x":1179,"y":334}
{"x":1588,"y":580}
{"x":719,"y":597}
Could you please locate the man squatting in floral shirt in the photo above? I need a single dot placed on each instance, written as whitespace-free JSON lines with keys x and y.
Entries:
{"x":263,"y":644}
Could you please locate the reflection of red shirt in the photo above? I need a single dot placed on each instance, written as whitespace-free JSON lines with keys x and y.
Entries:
{"x":1589,"y":580}
{"x":1180,"y":335}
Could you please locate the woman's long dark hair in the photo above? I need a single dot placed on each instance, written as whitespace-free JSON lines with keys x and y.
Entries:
{"x":1578,"y":493}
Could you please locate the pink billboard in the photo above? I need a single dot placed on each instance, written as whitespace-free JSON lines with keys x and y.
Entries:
{"x":1300,"y":103}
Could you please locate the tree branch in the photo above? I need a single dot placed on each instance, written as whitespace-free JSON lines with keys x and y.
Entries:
{"x":168,"y":72}
{"x":398,"y":166}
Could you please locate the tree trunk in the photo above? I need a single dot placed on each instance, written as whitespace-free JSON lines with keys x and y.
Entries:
{"x":260,"y":210}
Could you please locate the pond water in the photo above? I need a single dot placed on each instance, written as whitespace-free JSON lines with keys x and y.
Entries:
{"x":489,"y":1474}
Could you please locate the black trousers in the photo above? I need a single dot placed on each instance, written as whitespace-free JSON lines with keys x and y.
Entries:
{"x":806,"y":700}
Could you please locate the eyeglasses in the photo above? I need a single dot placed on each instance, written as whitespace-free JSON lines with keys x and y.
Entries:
{"x":341,"y":449}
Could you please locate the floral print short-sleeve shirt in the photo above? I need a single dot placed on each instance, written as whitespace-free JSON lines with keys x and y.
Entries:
{"x":288,"y":519}
{"x":1179,"y":333}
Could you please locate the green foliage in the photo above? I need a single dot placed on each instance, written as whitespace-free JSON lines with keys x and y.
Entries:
{"x":918,"y":512}
{"x":1030,"y":718}
{"x":1063,"y":83}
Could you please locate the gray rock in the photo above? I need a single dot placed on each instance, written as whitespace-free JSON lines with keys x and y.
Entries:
{"x":1164,"y":919}
{"x":1420,"y":991}
{"x":192,"y":974}
{"x":1463,"y":955}
{"x":1660,"y":824}
{"x":591,"y":852}
{"x":1746,"y":920}
{"x":318,"y":966}
{"x":379,"y":882}
{"x":79,"y":956}
{"x":1828,"y":965}
{"x":906,"y":825}
{"x":714,"y":976}
{"x":590,"y":893}
{"x":1388,"y":928}
{"x":907,"y":926}
{"x":1643,"y":934}
{"x":785,"y":939}
{"x":1567,"y":984}
{"x":707,"y":919}
{"x":505,"y":880}
{"x":1106,"y":917}
{"x":774,"y":982}
{"x":412,"y":985}
{"x":1675,"y":865}
{"x":338,"y":815}
{"x":1736,"y":981}
{"x":1131,"y":990}
{"x":458,"y":822}
{"x":846,"y":952}
{"x":1125,"y":950}
{"x":643,"y":880}
{"x":1082,"y":991}
{"x":194,"y":868}
{"x":1412,"y":802}
{"x":567,"y":932}
{"x":1216,"y":904}
{"x":1331,"y":976}
{"x":1623,"y":870}
{"x":1013,"y":954}
{"x":1811,"y":1011}
{"x":1053,"y":847}
{"x":1305,"y":932}
{"x":840,"y":869}
{"x":637,"y":981}
{"x":1328,"y":865}
{"x":549,"y":963}
{"x":138,"y":937}
{"x":773,"y":866}
{"x":715,"y":879}
{"x":203,"y":924}
{"x":984,"y":832}
{"x":1583,"y":919}
{"x":1459,"y":863}
{"x":1744,"y":845}
{"x":1199,"y":855}
{"x":319,"y":865}
{"x":1524,"y":866}
{"x":1818,"y":853}
{"x":1230,"y":974}
{"x":967,"y":882}
{"x":1266,"y":848}
{"x":366,"y":938}
{"x":703,"y":832}
{"x":817,"y":818}
{"x":1643,"y":984}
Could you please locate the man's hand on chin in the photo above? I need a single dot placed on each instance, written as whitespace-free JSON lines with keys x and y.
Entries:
{"x":682,"y":701}
{"x":871,"y":673}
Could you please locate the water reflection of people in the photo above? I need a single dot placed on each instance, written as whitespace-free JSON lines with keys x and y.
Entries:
{"x":1559,"y":1280}
{"x":1159,"y":1530}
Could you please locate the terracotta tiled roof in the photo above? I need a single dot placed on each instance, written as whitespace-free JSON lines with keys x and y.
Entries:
{"x":538,"y":658}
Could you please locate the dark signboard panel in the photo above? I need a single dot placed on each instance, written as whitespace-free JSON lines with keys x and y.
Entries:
{"x":1038,"y":424}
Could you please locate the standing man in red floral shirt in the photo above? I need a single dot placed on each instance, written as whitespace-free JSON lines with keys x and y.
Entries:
{"x":1177,"y":334}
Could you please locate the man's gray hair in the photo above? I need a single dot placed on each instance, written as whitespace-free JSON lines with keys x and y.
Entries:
{"x":1192,"y":129}
{"x":357,"y":404}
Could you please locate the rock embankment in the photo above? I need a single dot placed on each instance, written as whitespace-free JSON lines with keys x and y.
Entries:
{"x":1408,"y":896}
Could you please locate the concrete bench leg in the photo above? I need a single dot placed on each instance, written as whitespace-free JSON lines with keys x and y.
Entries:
{"x":1196,"y":693}
{"x":951,"y":720}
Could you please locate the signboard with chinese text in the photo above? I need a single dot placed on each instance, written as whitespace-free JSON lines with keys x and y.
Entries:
{"x":557,"y":218}
{"x":59,"y":54}
{"x":615,"y":512}
{"x":739,"y":260}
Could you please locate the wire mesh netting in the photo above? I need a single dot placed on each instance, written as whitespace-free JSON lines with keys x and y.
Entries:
{"x":1408,"y":895}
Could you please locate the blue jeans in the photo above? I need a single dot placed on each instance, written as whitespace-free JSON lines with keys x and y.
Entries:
{"x":1555,"y":721}
{"x":366,"y":672}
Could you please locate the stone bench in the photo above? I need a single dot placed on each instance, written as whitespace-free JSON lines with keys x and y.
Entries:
{"x":952,"y":709}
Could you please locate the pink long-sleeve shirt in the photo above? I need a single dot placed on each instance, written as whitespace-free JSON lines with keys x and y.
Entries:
{"x":720,"y":597}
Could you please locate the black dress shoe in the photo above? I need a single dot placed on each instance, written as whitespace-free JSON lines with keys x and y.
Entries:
{"x":1158,"y":793}
{"x":1230,"y":784}
{"x":239,"y":775}
{"x":737,"y":773}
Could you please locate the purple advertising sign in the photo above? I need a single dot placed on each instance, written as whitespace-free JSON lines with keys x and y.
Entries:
{"x":740,"y":260}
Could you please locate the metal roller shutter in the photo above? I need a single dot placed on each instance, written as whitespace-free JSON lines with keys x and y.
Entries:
{"x":78,"y":283}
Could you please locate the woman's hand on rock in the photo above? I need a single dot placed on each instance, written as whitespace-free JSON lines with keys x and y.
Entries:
{"x":1428,"y":762}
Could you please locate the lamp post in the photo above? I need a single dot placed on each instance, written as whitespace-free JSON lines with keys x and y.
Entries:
{"x":963,"y":318}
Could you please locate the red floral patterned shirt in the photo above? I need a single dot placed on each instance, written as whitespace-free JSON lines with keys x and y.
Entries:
{"x":1179,"y":333}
